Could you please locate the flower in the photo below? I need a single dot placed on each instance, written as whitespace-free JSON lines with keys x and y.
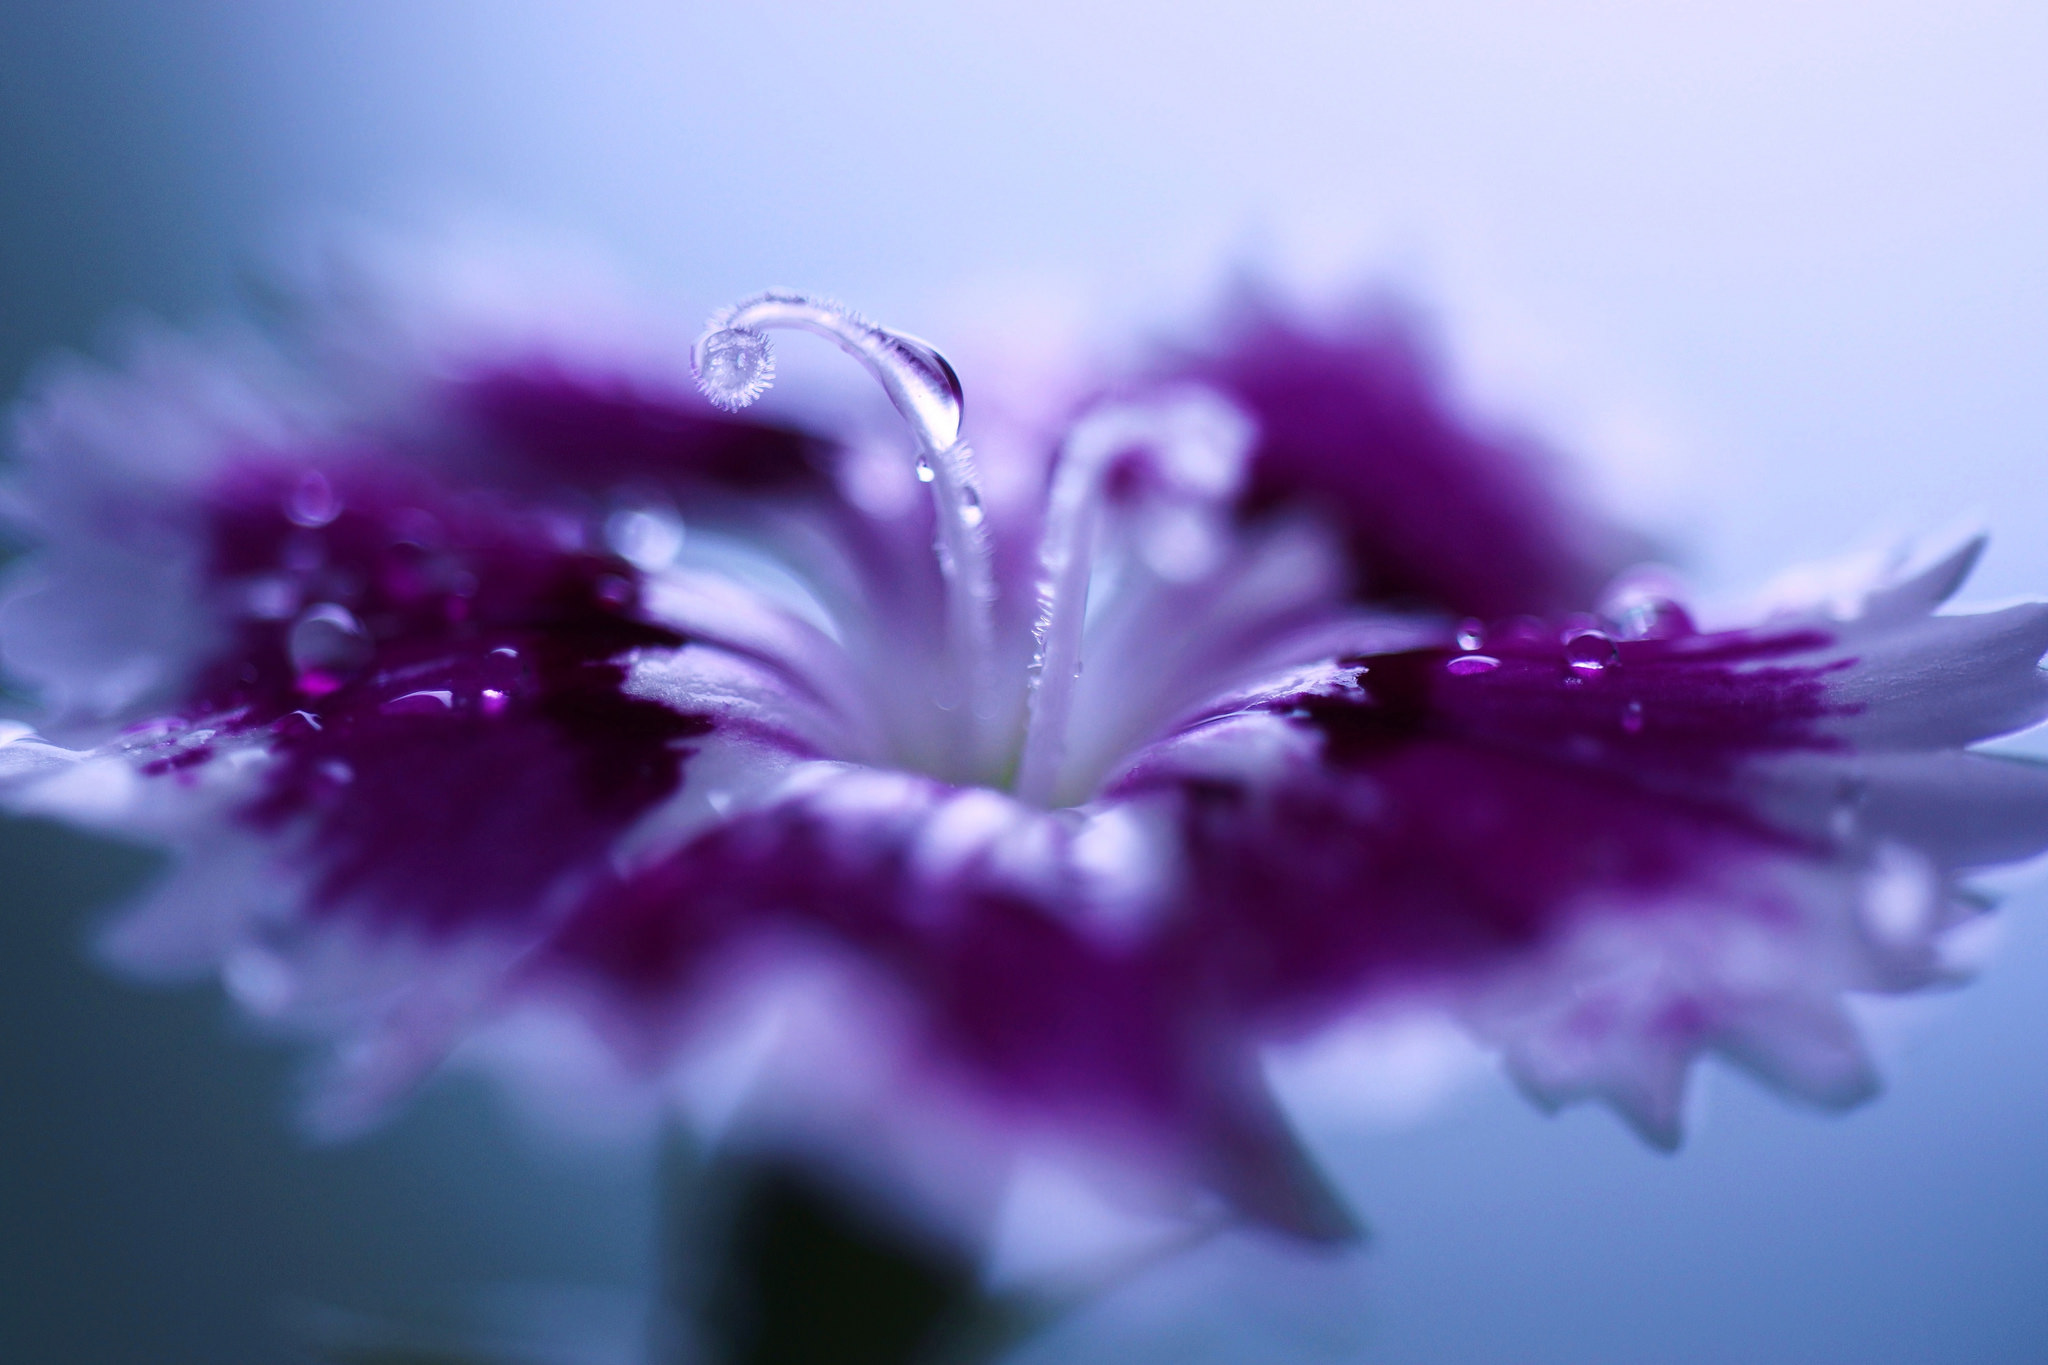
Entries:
{"x":482,"y":679}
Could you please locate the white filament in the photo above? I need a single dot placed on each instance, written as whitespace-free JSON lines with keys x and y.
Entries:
{"x":1198,"y":443}
{"x":735,"y":364}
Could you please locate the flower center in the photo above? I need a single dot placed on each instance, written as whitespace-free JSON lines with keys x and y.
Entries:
{"x":1179,"y":453}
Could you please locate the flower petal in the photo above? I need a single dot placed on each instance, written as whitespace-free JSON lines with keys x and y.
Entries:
{"x":1354,"y":425}
{"x":1608,"y":855}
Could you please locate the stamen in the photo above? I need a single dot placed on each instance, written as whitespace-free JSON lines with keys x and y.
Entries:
{"x":735,"y":364}
{"x":1199,"y":442}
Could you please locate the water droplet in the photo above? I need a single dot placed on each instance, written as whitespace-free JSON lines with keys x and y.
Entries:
{"x":970,"y":505}
{"x":424,"y":703}
{"x":1467,"y":664}
{"x":734,"y":366}
{"x":613,"y":590}
{"x":313,"y":502}
{"x":925,"y":472}
{"x":328,"y":646}
{"x":1471,"y":633}
{"x":1632,"y":718}
{"x":647,"y":540}
{"x":504,"y":652}
{"x":273,"y":597}
{"x":1654,"y":618}
{"x":1589,"y":652}
{"x":494,"y":702}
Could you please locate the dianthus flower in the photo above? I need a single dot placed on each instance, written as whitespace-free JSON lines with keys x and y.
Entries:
{"x":506,"y":679}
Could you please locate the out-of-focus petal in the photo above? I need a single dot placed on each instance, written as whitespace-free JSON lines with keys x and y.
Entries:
{"x":1355,"y":426}
{"x":1608,"y":855}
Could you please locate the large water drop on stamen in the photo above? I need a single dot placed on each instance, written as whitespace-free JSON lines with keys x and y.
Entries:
{"x":1588,"y":653}
{"x":733,"y":365}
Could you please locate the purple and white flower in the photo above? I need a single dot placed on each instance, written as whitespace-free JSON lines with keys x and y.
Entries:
{"x":497,"y":687}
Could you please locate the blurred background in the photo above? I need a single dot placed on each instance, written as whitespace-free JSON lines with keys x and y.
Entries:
{"x":1776,"y":273}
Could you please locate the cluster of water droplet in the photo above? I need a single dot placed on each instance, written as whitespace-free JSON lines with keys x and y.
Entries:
{"x":1590,"y":646}
{"x":314,"y":595}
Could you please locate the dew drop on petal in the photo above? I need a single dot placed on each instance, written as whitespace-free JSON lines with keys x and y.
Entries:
{"x":328,"y":644}
{"x":1467,"y":664}
{"x":734,"y":366}
{"x":1471,"y":633}
{"x":1632,"y":718}
{"x":312,"y":502}
{"x":1590,"y":652}
{"x":424,"y":703}
{"x":1654,"y":618}
{"x":649,"y":541}
{"x":273,"y":597}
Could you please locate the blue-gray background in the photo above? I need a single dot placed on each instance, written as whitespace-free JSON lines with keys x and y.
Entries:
{"x":1779,"y":270}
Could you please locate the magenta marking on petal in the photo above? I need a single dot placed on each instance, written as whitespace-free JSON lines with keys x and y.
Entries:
{"x":184,"y":758}
{"x":1015,"y":992}
{"x":1355,"y":425}
{"x":1684,"y":704}
{"x":1455,"y":817}
{"x":1433,"y":859}
{"x":597,"y":432}
{"x":466,"y":742}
